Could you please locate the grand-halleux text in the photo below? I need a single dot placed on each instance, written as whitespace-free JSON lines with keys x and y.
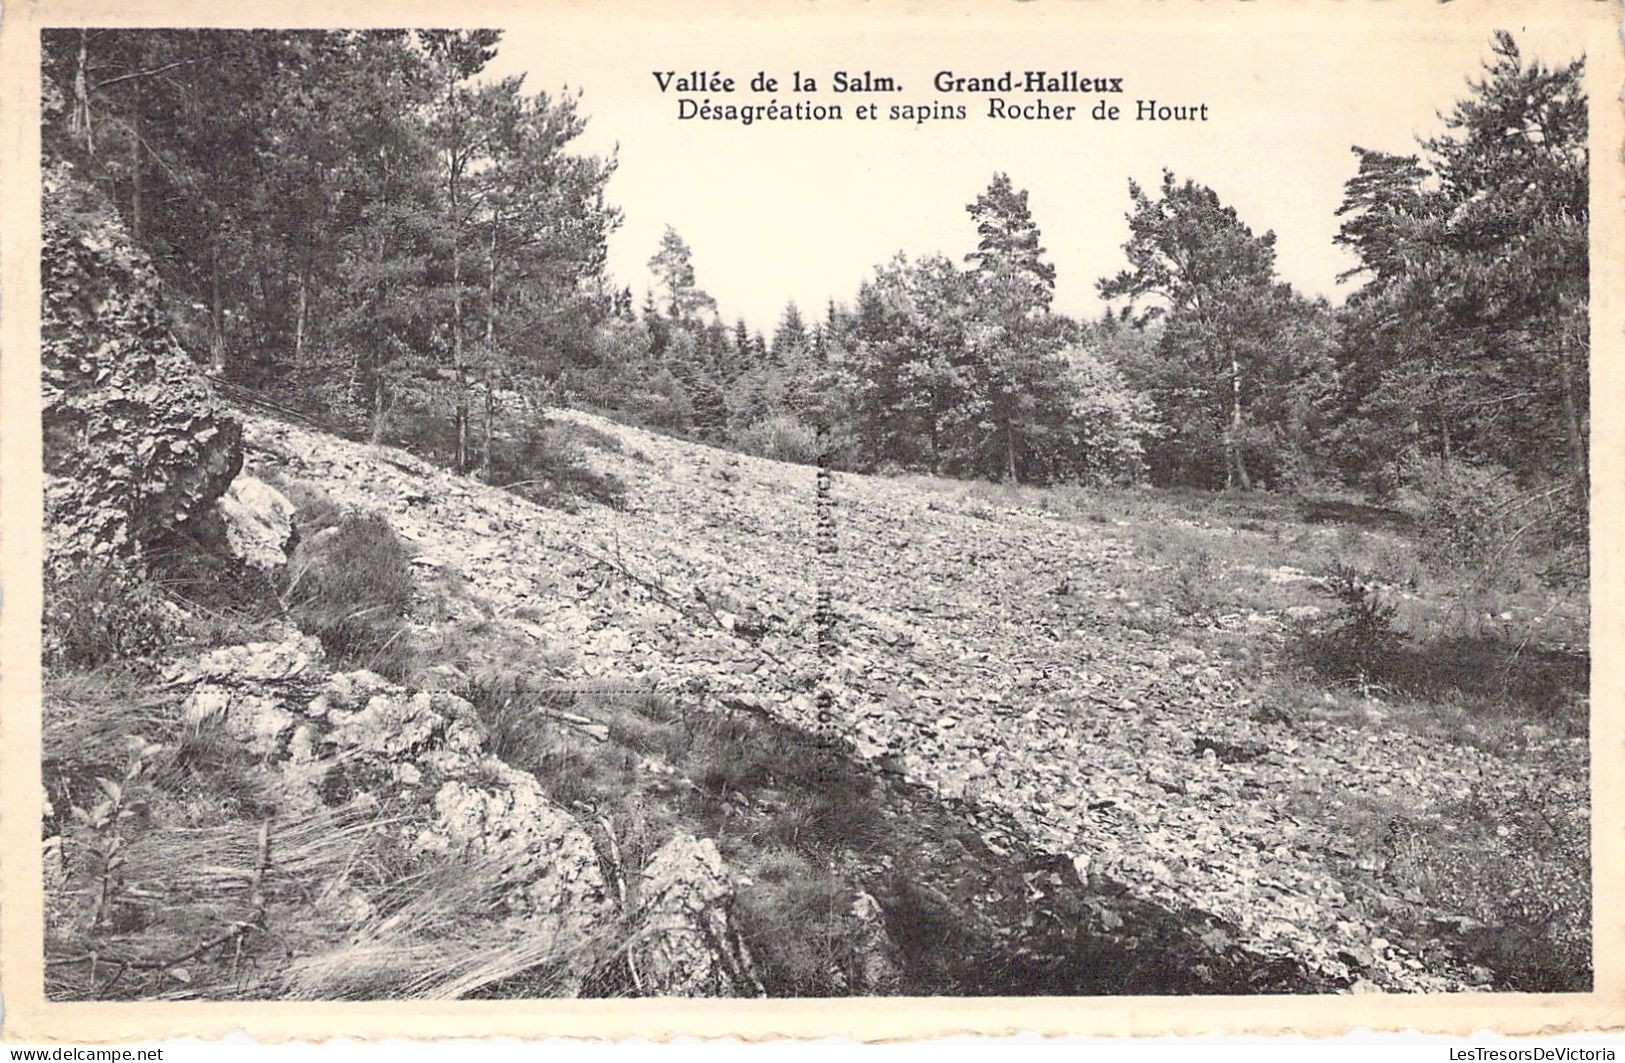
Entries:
{"x":694,"y":89}
{"x":869,"y":81}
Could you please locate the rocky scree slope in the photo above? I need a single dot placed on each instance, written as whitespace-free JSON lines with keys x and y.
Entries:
{"x":948,"y":658}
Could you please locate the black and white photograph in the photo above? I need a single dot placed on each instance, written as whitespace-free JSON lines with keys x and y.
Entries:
{"x":859,"y":504}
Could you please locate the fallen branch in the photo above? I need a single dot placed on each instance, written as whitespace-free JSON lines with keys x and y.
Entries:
{"x":674,"y":601}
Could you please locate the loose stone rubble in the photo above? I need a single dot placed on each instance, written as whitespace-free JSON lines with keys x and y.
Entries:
{"x":953,"y":663}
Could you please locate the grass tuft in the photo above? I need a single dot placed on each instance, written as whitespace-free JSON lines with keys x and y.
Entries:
{"x":351,"y":586}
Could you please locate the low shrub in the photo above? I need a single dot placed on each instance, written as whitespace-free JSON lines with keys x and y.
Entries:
{"x":1463,"y":513}
{"x":1518,"y":866}
{"x":96,"y":614}
{"x":585,"y":435}
{"x":661,"y":403}
{"x":543,"y":462}
{"x":1191,"y":589}
{"x":782,"y":438}
{"x":821,"y":956}
{"x":1359,"y":640}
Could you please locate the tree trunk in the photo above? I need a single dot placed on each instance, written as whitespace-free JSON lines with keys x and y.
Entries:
{"x":217,"y":317}
{"x":81,"y":97}
{"x":1238,"y":468}
{"x":461,"y":404}
{"x":490,"y":421}
{"x":457,"y":349}
{"x":453,"y":168}
{"x":377,"y":404}
{"x":1010,"y":449}
{"x":1437,"y":407}
{"x":490,"y":341}
{"x":273,"y":304}
{"x":1579,"y":463}
{"x":135,"y":167}
{"x":299,"y":316}
{"x":378,"y":386}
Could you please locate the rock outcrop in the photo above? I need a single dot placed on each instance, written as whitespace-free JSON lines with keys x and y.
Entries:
{"x":256,"y":523}
{"x":686,"y":944}
{"x":419,"y":759}
{"x":135,"y":442}
{"x":548,"y":863}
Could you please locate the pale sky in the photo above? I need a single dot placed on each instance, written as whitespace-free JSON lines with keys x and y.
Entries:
{"x":805,"y":210}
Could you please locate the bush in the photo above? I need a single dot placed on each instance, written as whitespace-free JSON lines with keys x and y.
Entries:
{"x":101,"y":613}
{"x":1463,"y":512}
{"x":783,"y":438}
{"x":1106,"y":428}
{"x":662,"y":402}
{"x":1360,"y":639}
{"x":1190,"y":591}
{"x":795,"y":918}
{"x":544,"y":464}
{"x":1517,"y":865}
{"x":350,"y":587}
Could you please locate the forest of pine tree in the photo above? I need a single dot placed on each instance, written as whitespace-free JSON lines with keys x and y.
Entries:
{"x":366,"y":227}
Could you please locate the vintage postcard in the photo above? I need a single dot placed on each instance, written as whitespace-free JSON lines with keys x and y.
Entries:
{"x":800,"y":519}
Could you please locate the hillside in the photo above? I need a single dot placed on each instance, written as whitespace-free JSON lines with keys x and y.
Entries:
{"x":517,"y":701}
{"x":995,"y":655}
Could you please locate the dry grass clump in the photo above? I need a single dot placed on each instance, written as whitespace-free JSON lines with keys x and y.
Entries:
{"x":151,"y":904}
{"x":89,"y":717}
{"x":440,"y":934}
{"x":797,"y":916}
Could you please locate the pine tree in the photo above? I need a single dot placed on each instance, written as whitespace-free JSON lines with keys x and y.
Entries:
{"x":1215,"y":281}
{"x":455,"y":56}
{"x":1009,"y":245}
{"x":1016,"y":346}
{"x":790,"y":338}
{"x":1468,"y":340}
{"x":673,"y":267}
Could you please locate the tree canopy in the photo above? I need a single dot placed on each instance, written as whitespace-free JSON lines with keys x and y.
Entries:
{"x":368,"y":225}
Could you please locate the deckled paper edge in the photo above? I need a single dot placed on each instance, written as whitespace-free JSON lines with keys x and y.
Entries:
{"x":29,"y":1018}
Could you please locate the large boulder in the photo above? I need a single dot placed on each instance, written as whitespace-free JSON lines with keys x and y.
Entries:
{"x":136,"y":444}
{"x":256,"y":523}
{"x":687,"y":945}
